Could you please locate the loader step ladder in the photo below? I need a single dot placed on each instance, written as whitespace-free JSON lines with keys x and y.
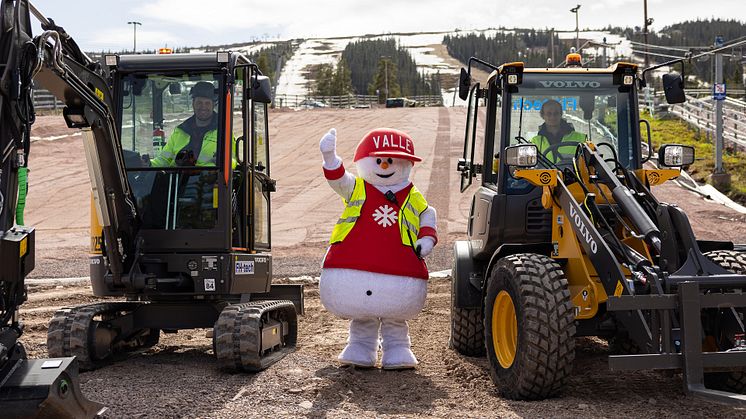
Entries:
{"x":689,"y":302}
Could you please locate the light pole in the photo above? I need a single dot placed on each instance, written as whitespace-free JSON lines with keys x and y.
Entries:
{"x":134,"y":26}
{"x":386,"y":75}
{"x":648,"y":22}
{"x":577,"y":28}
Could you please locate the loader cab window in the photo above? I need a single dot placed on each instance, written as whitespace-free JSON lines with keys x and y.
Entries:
{"x":557,"y":112}
{"x":170,"y":122}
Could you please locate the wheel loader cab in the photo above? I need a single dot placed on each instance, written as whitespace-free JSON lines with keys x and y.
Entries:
{"x":555,"y":110}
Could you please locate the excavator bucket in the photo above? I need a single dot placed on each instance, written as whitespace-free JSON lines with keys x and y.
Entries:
{"x":45,"y":388}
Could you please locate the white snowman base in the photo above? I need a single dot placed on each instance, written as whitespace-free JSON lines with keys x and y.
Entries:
{"x":374,"y":301}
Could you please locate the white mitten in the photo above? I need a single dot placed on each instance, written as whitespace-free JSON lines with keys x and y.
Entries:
{"x":425,"y":245}
{"x":328,"y":147}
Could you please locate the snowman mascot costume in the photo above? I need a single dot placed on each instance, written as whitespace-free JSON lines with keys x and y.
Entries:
{"x":373,"y":272}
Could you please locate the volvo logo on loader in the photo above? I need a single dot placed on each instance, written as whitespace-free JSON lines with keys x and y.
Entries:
{"x":569,"y":84}
{"x":585,"y":233}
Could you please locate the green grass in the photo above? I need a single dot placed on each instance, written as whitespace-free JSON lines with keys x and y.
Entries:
{"x":674,"y":131}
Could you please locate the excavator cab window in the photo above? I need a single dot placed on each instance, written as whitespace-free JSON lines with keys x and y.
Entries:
{"x":170,"y":122}
{"x":556,"y":112}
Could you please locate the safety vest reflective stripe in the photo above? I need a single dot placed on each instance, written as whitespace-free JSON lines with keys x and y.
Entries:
{"x":542,"y":143}
{"x":180,"y":139}
{"x":410,"y":207}
{"x":408,"y":220}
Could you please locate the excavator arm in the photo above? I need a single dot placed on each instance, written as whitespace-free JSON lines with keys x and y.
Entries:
{"x":63,"y":69}
{"x":50,"y":388}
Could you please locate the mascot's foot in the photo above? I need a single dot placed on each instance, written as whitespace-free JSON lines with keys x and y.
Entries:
{"x":398,"y":358}
{"x":358,"y":355}
{"x":396,"y":345}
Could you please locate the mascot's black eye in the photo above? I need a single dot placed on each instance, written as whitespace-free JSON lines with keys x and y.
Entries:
{"x":390,"y":160}
{"x":378,"y":161}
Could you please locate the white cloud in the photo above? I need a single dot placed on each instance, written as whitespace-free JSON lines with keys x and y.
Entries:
{"x":195,"y":23}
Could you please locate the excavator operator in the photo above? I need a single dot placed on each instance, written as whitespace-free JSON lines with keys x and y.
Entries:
{"x":194,"y":141}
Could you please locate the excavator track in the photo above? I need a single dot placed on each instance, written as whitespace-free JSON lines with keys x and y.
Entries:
{"x":246,"y":335}
{"x":79,"y":332}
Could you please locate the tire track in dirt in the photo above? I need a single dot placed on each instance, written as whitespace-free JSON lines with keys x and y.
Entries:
{"x":439,"y":184}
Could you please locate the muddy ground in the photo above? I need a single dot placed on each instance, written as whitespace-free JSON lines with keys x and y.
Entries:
{"x":179,"y":378}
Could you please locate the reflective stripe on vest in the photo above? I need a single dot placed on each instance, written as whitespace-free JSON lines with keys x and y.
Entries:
{"x":542,"y":143}
{"x":408,"y":219}
{"x":180,"y":139}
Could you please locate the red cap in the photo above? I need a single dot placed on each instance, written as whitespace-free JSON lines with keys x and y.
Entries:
{"x":386,"y":142}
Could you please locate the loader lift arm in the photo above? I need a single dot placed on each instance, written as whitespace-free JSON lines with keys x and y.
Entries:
{"x":662,"y":302}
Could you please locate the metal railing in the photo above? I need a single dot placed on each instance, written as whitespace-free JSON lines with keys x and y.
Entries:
{"x":345,"y":102}
{"x":44,"y":99}
{"x":700,"y":113}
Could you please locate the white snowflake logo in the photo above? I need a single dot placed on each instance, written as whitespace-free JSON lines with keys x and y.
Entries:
{"x":385,"y":216}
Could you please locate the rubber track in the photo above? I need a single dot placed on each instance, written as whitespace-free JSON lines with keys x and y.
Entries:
{"x":238,"y":334}
{"x":68,"y":333}
{"x":545,"y":361}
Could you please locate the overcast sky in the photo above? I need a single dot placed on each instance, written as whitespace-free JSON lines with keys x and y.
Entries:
{"x":102,"y":24}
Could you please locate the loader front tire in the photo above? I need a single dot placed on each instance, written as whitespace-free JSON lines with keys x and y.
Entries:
{"x":529,"y":327}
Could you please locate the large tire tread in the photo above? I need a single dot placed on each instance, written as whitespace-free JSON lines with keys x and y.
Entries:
{"x":546,"y":328}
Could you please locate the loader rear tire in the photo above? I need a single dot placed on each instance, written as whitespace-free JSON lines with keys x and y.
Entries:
{"x":467,"y":329}
{"x":529,"y":327}
{"x":732,"y":381}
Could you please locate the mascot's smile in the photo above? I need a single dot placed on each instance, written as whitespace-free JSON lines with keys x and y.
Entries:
{"x":386,"y":176}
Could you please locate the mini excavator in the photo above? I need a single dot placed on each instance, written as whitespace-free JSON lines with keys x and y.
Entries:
{"x":184,"y":242}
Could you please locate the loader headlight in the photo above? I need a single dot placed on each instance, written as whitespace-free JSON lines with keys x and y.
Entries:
{"x":111,"y":60}
{"x":674,"y":155}
{"x":522,"y":155}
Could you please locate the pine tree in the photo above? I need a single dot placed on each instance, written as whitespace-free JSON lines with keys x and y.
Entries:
{"x":263,"y":63}
{"x":386,"y":77}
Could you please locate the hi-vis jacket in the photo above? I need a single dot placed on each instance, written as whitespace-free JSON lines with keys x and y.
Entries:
{"x":377,"y":234}
{"x":567,"y":135}
{"x":180,"y":139}
{"x":408,"y":219}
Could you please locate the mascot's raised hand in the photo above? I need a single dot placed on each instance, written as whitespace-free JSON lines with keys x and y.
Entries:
{"x":374,"y":273}
{"x":328,"y":147}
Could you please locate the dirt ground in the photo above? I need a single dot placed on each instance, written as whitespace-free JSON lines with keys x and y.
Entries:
{"x":179,"y":378}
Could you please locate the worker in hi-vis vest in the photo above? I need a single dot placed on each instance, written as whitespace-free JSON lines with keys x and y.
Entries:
{"x":556,"y":130}
{"x":194,"y":142}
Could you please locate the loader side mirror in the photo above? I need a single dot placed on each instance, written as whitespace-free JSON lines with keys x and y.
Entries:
{"x":261,"y":89}
{"x":673,"y":87}
{"x":522,"y":155}
{"x":464,"y":82}
{"x":174,"y":88}
{"x":675,"y":155}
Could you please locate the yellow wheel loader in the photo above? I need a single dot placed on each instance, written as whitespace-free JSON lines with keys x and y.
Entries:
{"x":565,"y":238}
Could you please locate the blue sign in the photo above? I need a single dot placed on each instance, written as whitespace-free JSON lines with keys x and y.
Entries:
{"x":718,"y":91}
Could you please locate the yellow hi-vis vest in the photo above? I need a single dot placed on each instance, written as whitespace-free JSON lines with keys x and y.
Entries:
{"x":408,"y":219}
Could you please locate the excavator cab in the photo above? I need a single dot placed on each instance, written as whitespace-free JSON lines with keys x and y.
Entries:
{"x":191,"y":225}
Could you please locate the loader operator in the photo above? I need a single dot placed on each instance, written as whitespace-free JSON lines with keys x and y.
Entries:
{"x":194,"y":141}
{"x":556,"y":130}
